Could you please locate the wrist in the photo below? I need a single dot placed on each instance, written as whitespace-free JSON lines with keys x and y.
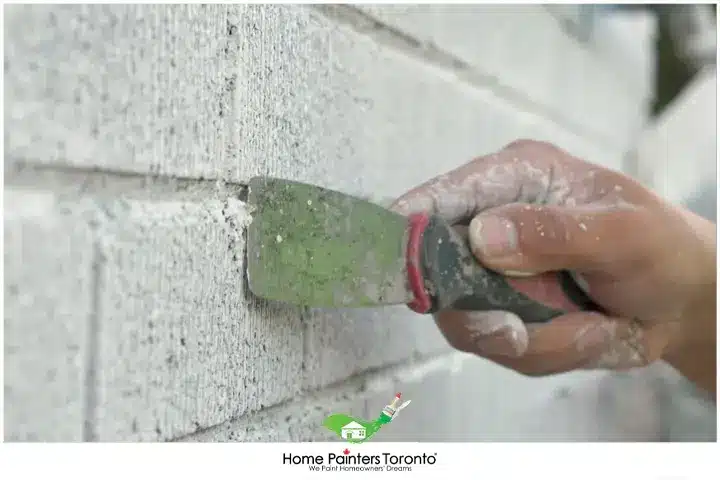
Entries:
{"x":696,"y":357}
{"x":693,"y":349}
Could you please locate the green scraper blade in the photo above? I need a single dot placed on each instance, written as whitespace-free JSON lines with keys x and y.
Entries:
{"x":316,"y":247}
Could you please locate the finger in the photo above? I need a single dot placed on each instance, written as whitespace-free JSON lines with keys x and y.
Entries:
{"x":566,"y":343}
{"x":524,"y":171}
{"x":571,"y":342}
{"x":492,"y":332}
{"x":584,"y":341}
{"x":533,"y":239}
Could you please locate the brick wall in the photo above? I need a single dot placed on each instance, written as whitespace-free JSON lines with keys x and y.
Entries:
{"x":130,"y":132}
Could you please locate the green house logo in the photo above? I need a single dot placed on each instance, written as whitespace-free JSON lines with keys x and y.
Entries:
{"x":357,"y":430}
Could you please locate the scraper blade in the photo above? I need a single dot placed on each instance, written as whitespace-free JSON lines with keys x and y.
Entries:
{"x":316,"y":247}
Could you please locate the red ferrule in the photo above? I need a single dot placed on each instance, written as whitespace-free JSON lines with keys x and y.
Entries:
{"x":416,"y":227}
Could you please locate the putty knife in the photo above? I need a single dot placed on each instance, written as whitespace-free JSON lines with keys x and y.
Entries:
{"x":316,"y":247}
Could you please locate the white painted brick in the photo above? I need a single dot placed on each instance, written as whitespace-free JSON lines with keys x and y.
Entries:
{"x":48,"y":297}
{"x":341,"y":343}
{"x":525,"y":48}
{"x":509,"y":123}
{"x":625,"y":38}
{"x":181,"y":347}
{"x":300,"y":97}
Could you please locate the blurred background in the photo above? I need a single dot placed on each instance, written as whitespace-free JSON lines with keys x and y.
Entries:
{"x":130,"y":134}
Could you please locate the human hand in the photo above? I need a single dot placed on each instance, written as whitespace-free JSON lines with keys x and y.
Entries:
{"x":532,"y":208}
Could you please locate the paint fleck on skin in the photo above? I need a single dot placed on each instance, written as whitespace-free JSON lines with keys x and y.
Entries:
{"x":624,"y":349}
{"x":463,"y":193}
{"x":624,"y":352}
{"x":593,"y":334}
{"x":497,"y":332}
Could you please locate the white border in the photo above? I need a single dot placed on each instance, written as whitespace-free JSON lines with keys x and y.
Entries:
{"x":462,"y":460}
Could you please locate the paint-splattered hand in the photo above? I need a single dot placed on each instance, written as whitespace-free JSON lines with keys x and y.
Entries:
{"x":533,"y":208}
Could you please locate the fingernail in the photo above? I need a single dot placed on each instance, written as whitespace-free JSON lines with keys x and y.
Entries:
{"x":493,"y":236}
{"x":514,"y":273}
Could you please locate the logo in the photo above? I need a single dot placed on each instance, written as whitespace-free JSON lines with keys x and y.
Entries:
{"x":358,"y":462}
{"x":357,"y":430}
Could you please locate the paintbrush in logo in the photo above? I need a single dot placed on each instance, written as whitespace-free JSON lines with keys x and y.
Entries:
{"x":390,"y":412}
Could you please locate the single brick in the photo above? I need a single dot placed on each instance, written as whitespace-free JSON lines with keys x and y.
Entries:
{"x":48,"y":304}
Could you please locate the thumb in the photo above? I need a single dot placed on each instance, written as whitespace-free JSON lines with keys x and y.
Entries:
{"x":521,"y":239}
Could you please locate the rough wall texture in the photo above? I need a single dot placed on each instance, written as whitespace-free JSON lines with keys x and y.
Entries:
{"x":130,"y":131}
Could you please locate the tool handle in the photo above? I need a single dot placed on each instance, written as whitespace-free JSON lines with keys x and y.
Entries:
{"x":445,"y":275}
